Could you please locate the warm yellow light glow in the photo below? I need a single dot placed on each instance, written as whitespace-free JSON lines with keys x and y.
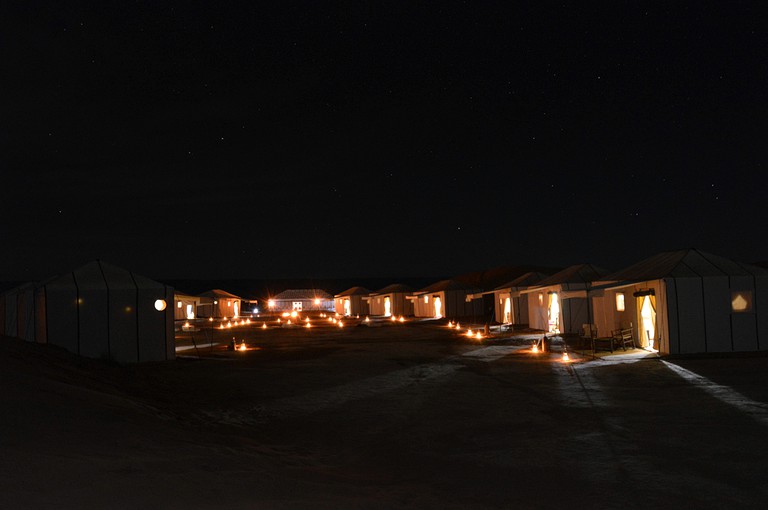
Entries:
{"x":308,"y":325}
{"x":367,"y":319}
{"x":294,"y":313}
{"x":160,"y":305}
{"x":243,"y":347}
{"x":741,"y":301}
{"x":450,"y":324}
{"x":535,"y":348}
{"x":479,"y":335}
{"x":229,"y":324}
{"x":458,"y":325}
{"x":264,"y":325}
{"x":566,"y":358}
{"x":221,"y":326}
{"x":286,"y":314}
{"x":247,"y":321}
{"x":393,"y":318}
{"x":317,"y":301}
{"x":402,"y":319}
{"x":178,"y":305}
{"x":278,"y":320}
{"x":289,"y":322}
{"x":186,"y":325}
{"x":426,"y":299}
{"x":271,"y":303}
{"x":619,"y":301}
{"x":210,"y":319}
{"x":341,"y":324}
{"x":306,"y":319}
{"x":469,"y":333}
{"x":190,"y":312}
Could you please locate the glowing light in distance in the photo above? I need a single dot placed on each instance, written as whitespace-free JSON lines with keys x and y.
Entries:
{"x":271,"y":303}
{"x":566,"y":358}
{"x":160,"y":305}
{"x":317,"y":301}
{"x":402,"y":319}
{"x":294,"y":313}
{"x":264,"y":325}
{"x":243,"y":347}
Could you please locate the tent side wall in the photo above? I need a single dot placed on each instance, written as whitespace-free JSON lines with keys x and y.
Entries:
{"x":537,"y":309}
{"x":93,"y":312}
{"x":62,"y":313}
{"x":2,"y":314}
{"x":11,"y":314}
{"x":123,"y":318}
{"x":41,"y":325}
{"x":761,"y":312}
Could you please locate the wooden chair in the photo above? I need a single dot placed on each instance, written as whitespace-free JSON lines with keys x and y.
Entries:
{"x":623,"y":337}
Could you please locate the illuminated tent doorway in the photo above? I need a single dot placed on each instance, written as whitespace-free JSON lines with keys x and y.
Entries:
{"x":438,"y":307}
{"x":507,"y":310}
{"x":553,"y":313}
{"x":387,"y":306}
{"x":347,"y":307}
{"x":646,"y":309}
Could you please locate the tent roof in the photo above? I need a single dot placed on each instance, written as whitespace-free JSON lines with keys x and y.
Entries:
{"x":391,"y":289}
{"x":218,"y":293}
{"x":579,"y":273}
{"x":684,"y":264}
{"x":524,"y":280}
{"x":354,"y":291}
{"x":303,"y":294}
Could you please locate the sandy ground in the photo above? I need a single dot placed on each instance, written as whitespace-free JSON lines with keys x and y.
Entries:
{"x":396,"y":416}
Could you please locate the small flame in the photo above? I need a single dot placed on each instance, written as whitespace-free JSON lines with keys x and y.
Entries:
{"x":186,"y":324}
{"x":294,"y":313}
{"x":450,"y":324}
{"x":308,"y":325}
{"x":247,"y":321}
{"x":535,"y":348}
{"x":229,"y":324}
{"x":341,"y":324}
{"x":393,"y":318}
{"x":402,"y":319}
{"x":289,"y":322}
{"x":458,"y":326}
{"x":367,"y":319}
{"x":566,"y":358}
{"x":479,"y":335}
{"x":210,"y":319}
{"x":264,"y":325}
{"x":243,"y":347}
{"x":221,"y":326}
{"x":469,"y":333}
{"x":278,"y":320}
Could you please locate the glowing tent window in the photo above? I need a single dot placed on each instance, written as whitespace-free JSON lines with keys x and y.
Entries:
{"x":179,"y":305}
{"x":619,"y":301}
{"x":426,"y":299}
{"x":160,"y":305}
{"x":554,"y":313}
{"x":741,"y":301}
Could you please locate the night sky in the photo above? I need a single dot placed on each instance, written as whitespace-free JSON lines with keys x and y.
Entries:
{"x":327,"y":139}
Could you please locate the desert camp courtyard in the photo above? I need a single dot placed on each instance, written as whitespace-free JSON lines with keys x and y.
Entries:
{"x":383,"y":415}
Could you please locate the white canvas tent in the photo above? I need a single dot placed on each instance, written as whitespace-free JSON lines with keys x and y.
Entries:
{"x":350,"y":302}
{"x":220,"y":304}
{"x":446,"y":298}
{"x":390,"y":301}
{"x":185,"y":306}
{"x":511,"y":305}
{"x":687,"y":301}
{"x":96,"y":311}
{"x":559,"y":304}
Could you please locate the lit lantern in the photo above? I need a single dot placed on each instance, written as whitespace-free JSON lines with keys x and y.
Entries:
{"x":210,"y":319}
{"x":221,"y":326}
{"x":229,"y":324}
{"x":479,"y":336}
{"x":278,"y":320}
{"x":469,"y":333}
{"x":294,"y":314}
{"x":242,"y":346}
{"x":264,"y":325}
{"x":160,"y":305}
{"x":341,"y":324}
{"x":317,"y":301}
{"x":402,"y":319}
{"x":367,"y":319}
{"x":458,"y":326}
{"x":308,"y":325}
{"x":247,"y":321}
{"x":535,"y":348}
{"x":393,"y":319}
{"x":566,"y":358}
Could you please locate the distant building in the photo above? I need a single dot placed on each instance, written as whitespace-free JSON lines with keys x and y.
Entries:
{"x":96,"y":311}
{"x":391,"y":300}
{"x":301,"y":300}
{"x":351,"y":302}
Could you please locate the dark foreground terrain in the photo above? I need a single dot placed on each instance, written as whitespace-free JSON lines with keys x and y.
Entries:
{"x":397,"y":416}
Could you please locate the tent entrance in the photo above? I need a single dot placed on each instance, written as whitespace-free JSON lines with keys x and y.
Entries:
{"x":507,"y":310}
{"x":438,"y":306}
{"x":347,"y":307}
{"x":646,"y":309}
{"x":190,"y":312}
{"x":553,"y":313}
{"x":387,"y":306}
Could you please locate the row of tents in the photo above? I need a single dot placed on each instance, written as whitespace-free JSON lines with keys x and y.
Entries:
{"x":676,"y":302}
